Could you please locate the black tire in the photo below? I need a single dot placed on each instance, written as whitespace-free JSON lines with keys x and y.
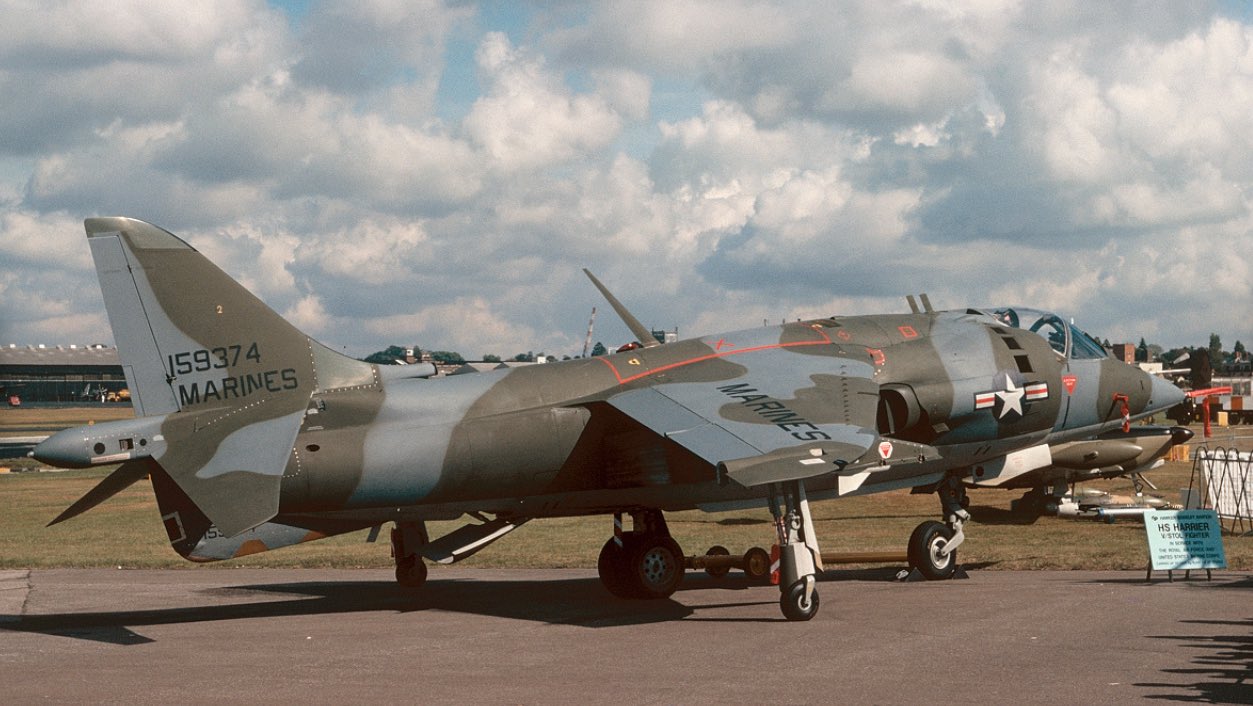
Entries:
{"x":757,"y":565}
{"x":792,"y":601}
{"x":924,"y":545}
{"x":611,"y":565}
{"x":720,"y":571}
{"x":411,"y":572}
{"x":654,"y":569}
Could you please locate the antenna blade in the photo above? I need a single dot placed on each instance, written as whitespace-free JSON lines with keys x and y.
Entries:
{"x":644,"y":336}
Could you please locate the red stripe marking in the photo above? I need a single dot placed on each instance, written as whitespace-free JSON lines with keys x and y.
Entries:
{"x":826,"y":340}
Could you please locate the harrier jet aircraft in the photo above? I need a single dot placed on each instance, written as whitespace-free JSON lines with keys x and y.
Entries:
{"x":255,"y":436}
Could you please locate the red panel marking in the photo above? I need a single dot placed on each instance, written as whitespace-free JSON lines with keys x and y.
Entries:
{"x":1069,"y":382}
{"x":631,"y":378}
{"x":722,"y":343}
{"x":907,"y":331}
{"x":877,"y":356}
{"x":843,"y":335}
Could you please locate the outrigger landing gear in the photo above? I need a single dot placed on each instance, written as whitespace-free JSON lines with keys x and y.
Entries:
{"x":799,"y":557}
{"x":407,"y":537}
{"x":645,"y":563}
{"x":933,"y":545}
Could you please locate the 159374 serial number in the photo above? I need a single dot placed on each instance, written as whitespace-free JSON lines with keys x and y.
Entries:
{"x":219,"y":358}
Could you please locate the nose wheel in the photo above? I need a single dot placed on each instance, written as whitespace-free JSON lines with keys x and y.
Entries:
{"x":929,"y":553}
{"x":933,"y":545}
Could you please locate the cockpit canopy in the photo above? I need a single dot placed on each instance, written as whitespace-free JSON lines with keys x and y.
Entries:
{"x":1068,"y":340}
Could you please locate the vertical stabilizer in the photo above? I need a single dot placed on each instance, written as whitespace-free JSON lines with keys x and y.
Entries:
{"x":188,"y":335}
{"x":231,"y":376}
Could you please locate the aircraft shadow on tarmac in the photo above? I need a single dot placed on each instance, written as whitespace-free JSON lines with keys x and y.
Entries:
{"x":583,"y":602}
{"x":1224,"y":665}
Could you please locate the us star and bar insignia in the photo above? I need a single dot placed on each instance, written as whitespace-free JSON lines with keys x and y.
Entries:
{"x":1008,"y":398}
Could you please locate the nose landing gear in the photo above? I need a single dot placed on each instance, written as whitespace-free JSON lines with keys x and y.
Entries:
{"x":933,"y":545}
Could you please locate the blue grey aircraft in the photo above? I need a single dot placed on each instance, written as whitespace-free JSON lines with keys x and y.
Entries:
{"x":255,"y":436}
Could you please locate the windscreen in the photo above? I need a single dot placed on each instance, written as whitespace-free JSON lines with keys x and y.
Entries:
{"x":1066,"y":339}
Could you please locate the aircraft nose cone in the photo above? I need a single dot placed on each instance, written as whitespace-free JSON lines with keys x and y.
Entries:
{"x":1164,"y":395}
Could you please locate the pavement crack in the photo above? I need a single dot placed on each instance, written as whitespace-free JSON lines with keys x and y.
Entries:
{"x":15,"y":590}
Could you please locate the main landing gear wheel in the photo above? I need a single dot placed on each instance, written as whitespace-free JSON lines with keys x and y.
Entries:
{"x":611,"y":567}
{"x":795,"y":604}
{"x":757,"y":565}
{"x":407,"y":538}
{"x":925,"y":554}
{"x":644,"y":567}
{"x":411,"y":572}
{"x":720,"y":571}
{"x":655,"y":568}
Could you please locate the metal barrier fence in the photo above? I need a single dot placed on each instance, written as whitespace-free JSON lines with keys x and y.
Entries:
{"x":1224,"y":478}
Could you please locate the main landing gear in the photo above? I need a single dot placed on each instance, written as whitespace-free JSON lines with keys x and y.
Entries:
{"x":644,"y":563}
{"x":799,"y":557}
{"x":933,"y":545}
{"x":407,"y":538}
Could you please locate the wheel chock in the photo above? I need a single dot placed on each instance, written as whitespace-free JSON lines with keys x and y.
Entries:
{"x":912,"y":575}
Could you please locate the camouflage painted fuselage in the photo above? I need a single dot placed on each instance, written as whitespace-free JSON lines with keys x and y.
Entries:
{"x":257,"y":436}
{"x":547,"y":440}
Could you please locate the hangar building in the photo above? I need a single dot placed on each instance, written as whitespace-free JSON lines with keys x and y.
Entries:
{"x":60,"y":373}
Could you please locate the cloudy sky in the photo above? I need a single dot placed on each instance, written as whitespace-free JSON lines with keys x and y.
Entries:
{"x":400,"y":171}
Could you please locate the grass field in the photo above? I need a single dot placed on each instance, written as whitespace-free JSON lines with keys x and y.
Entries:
{"x":126,"y":530}
{"x":32,"y":421}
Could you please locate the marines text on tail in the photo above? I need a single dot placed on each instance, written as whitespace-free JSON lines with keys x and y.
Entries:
{"x":256,"y":436}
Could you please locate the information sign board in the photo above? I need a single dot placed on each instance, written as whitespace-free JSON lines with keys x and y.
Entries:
{"x":1181,"y":540}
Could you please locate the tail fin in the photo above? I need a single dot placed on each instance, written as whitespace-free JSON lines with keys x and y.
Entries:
{"x":231,"y":376}
{"x":191,"y":337}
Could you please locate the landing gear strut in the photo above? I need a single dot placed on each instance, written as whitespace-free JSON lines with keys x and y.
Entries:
{"x":799,"y":557}
{"x":407,"y":538}
{"x":933,"y":545}
{"x":645,"y":563}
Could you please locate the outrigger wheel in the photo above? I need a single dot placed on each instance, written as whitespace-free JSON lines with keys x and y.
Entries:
{"x":926,"y":554}
{"x":800,"y":600}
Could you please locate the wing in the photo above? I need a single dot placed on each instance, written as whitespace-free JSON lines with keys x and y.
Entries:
{"x":787,"y":417}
